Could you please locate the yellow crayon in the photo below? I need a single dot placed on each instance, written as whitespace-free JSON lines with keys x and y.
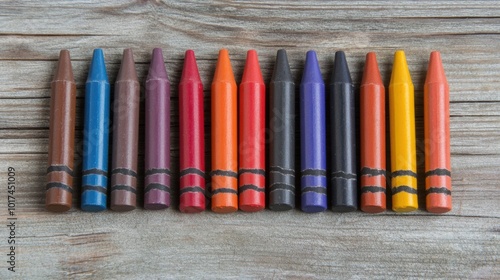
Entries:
{"x":402,"y":125}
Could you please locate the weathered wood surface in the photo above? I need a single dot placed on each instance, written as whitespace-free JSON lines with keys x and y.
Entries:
{"x":167,"y":244}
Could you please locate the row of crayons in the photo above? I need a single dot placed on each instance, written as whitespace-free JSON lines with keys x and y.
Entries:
{"x":238,"y":172}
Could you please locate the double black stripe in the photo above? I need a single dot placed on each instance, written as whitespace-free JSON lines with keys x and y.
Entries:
{"x":313,"y":172}
{"x":372,"y":189}
{"x":224,"y":190}
{"x":227,"y":173}
{"x":191,"y":189}
{"x":250,"y":187}
{"x":192,"y":171}
{"x":59,"y":186}
{"x":440,"y":190}
{"x":282,"y":187}
{"x":157,"y":171}
{"x":124,"y":171}
{"x":281,"y":170}
{"x":94,"y":188}
{"x":320,"y":190}
{"x":94,"y":171}
{"x":366,"y":171}
{"x":123,"y":188}
{"x":438,"y":172}
{"x":252,"y":171}
{"x":407,"y":189}
{"x":155,"y":186}
{"x":403,"y":173}
{"x":344,"y":175}
{"x":60,"y":168}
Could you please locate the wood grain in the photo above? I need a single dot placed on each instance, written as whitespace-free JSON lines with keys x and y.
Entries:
{"x":462,"y":244}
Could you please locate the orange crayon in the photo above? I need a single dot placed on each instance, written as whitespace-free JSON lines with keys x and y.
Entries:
{"x":372,"y":132}
{"x":224,"y":137}
{"x":437,"y":138}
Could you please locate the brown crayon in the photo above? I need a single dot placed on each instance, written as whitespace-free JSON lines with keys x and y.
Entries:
{"x":59,"y":188}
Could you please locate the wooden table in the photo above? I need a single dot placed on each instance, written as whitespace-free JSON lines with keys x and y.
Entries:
{"x":464,"y":243}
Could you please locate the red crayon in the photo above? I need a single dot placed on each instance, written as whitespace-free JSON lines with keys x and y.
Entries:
{"x":252,"y":116}
{"x":192,"y":143}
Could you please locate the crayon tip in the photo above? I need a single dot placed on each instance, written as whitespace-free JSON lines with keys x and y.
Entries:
{"x":312,"y":73}
{"x":400,"y":71}
{"x":341,"y":69}
{"x":190,"y":70}
{"x":281,"y":71}
{"x":64,"y":71}
{"x":435,"y":70}
{"x":223,"y":69}
{"x":97,"y":70}
{"x":371,"y":73}
{"x":251,"y":72}
{"x":157,"y":70}
{"x":127,"y":68}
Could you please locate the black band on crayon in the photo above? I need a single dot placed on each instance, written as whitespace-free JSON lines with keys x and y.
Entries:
{"x":343,"y":175}
{"x":124,"y":171}
{"x":185,"y":190}
{"x":252,"y":171}
{"x":59,"y":186}
{"x":438,"y":172}
{"x":403,"y":173}
{"x":407,"y":189}
{"x":313,"y":172}
{"x":439,"y":190}
{"x":123,"y":188}
{"x":251,"y":187}
{"x":226,"y":173}
{"x":157,"y":171}
{"x":192,"y":171}
{"x":94,"y":171}
{"x":281,"y":187}
{"x":60,"y":168}
{"x":224,"y":190}
{"x":281,"y":170}
{"x":372,"y":189}
{"x":320,"y":190}
{"x":100,"y":189}
{"x":366,"y":171}
{"x":155,"y":186}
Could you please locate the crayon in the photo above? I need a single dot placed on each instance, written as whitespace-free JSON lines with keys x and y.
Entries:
{"x":342,"y":128}
{"x":125,"y":136}
{"x":191,"y":138}
{"x":312,"y":137}
{"x":372,"y":138}
{"x":282,"y":136}
{"x":96,"y":136}
{"x":402,"y":132}
{"x":157,"y":141}
{"x":437,"y":137}
{"x":224,"y":137}
{"x":59,"y":188}
{"x":252,"y":125}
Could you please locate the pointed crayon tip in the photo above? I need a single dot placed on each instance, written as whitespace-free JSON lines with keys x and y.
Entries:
{"x":341,"y":72}
{"x":190,"y":70}
{"x":312,"y":73}
{"x":371,"y":73}
{"x":157,"y":70}
{"x":400,"y":71}
{"x":251,"y":72}
{"x":223,"y":69}
{"x":435,"y":70}
{"x":97,"y":70}
{"x":64,"y":70}
{"x":127,"y":68}
{"x":281,"y":71}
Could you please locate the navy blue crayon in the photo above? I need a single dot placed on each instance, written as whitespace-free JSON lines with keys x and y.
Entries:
{"x":96,"y":136}
{"x":313,"y":137}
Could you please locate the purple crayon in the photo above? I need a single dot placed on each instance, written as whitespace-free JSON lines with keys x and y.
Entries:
{"x":157,"y":156}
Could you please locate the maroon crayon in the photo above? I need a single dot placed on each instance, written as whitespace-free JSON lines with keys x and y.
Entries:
{"x":157,"y":156}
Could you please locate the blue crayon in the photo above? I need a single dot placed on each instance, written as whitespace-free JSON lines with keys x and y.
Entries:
{"x":96,"y":136}
{"x":312,"y":137}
